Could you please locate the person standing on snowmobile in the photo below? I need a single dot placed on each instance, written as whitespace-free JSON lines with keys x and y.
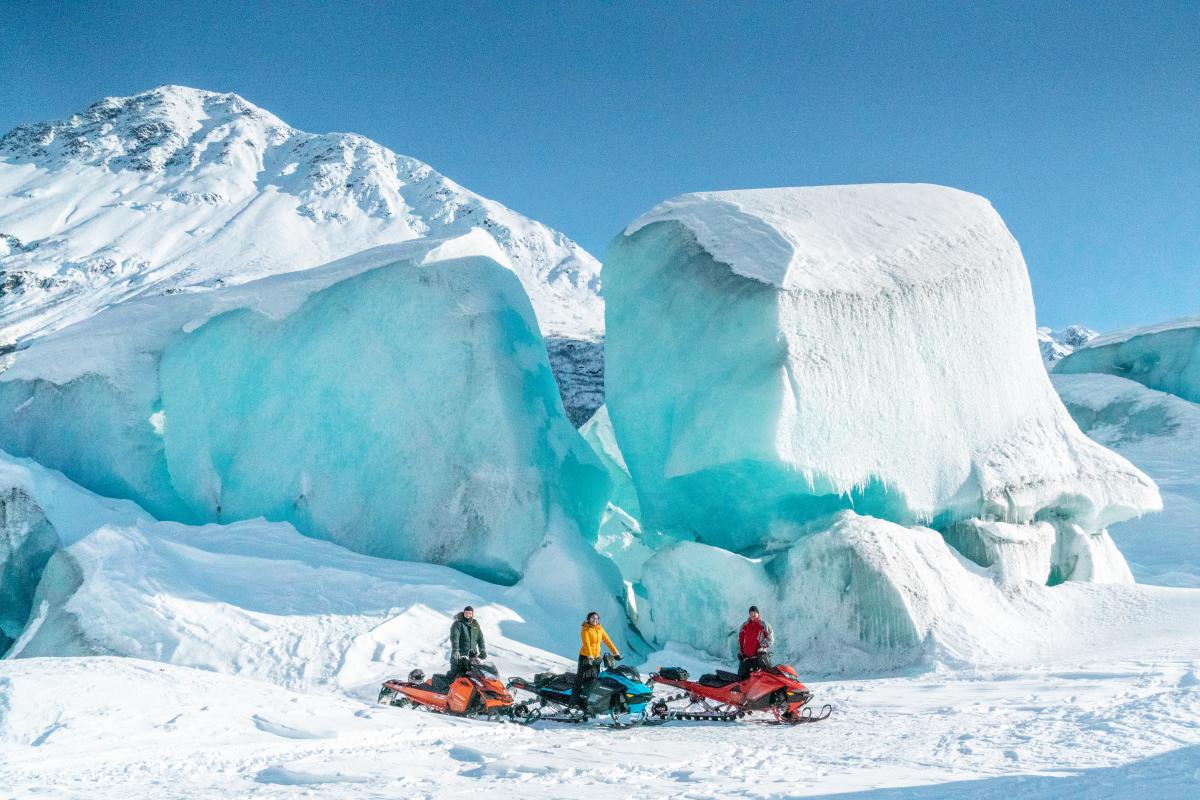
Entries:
{"x":592,"y":634}
{"x":754,"y":645}
{"x":466,"y":642}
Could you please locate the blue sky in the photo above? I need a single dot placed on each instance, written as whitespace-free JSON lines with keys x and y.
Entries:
{"x":1079,"y":121}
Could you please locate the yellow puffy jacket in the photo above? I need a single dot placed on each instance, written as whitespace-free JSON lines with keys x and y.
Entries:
{"x":592,"y":636}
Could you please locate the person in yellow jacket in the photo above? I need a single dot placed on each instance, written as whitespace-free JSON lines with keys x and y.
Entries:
{"x":591,"y":635}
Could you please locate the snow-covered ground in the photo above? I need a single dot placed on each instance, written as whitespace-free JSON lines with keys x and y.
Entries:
{"x":1127,"y":725}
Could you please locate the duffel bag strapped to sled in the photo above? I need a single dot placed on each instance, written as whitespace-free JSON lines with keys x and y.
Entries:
{"x":673,"y":673}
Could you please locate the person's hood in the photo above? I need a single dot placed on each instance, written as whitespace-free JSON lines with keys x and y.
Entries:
{"x":460,"y":618}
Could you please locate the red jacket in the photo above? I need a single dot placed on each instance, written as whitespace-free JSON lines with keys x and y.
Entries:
{"x":755,"y":636}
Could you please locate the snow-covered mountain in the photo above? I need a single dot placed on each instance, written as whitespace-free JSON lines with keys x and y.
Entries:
{"x":179,"y":189}
{"x":1057,"y":344}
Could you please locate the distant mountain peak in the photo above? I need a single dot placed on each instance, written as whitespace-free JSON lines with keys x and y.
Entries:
{"x":1057,"y":344}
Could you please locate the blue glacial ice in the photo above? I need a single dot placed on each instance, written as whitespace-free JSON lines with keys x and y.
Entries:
{"x":774,"y":356}
{"x":398,"y":402}
{"x":258,"y":599}
{"x":1160,"y":433}
{"x":833,"y":392}
{"x":1165,"y":357}
{"x":27,"y":541}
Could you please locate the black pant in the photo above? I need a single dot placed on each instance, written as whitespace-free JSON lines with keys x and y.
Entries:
{"x":459,"y":666}
{"x":585,"y":673}
{"x":748,"y":664}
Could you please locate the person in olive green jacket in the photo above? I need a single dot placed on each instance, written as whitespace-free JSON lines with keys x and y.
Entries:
{"x":466,"y":642}
{"x":591,"y":634}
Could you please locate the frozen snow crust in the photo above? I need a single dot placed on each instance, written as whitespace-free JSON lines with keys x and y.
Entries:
{"x":1165,"y":357}
{"x":398,"y":402}
{"x":775,"y":355}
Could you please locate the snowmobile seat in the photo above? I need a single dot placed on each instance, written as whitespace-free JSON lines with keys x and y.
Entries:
{"x":562,"y":683}
{"x":721,"y":678}
{"x":440,"y":683}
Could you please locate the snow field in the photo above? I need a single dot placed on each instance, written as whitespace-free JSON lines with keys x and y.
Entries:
{"x":1104,"y":730}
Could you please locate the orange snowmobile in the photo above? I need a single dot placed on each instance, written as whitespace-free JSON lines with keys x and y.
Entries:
{"x":476,"y":692}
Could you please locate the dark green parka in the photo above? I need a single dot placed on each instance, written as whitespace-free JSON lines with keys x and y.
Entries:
{"x":466,"y":638}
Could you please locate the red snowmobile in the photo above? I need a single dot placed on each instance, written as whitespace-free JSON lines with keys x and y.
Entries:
{"x":478,"y":691}
{"x":724,"y":696}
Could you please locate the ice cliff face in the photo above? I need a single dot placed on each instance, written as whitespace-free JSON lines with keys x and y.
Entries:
{"x":826,"y":402}
{"x":257,"y":599}
{"x":1161,"y":434}
{"x":27,"y":541}
{"x":179,"y":189}
{"x":398,"y":402}
{"x":1165,"y":357}
{"x":776,"y":355}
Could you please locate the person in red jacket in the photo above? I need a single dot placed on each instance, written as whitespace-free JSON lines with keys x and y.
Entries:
{"x":754,"y":645}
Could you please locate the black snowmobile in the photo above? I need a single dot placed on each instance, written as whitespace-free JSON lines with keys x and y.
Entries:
{"x":617,"y":691}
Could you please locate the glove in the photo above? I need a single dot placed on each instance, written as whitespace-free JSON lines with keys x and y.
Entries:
{"x":483,"y":656}
{"x":617,"y":656}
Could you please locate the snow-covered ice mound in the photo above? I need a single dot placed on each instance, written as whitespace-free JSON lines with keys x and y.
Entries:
{"x":776,"y":355}
{"x":1165,"y":357}
{"x":398,"y":402}
{"x":1161,"y":434}
{"x":260,"y":600}
{"x":866,"y":595}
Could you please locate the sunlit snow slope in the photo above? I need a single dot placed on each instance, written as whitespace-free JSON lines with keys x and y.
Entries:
{"x":179,"y":189}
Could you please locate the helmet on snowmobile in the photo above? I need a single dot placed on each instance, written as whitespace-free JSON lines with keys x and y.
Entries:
{"x":416,"y":676}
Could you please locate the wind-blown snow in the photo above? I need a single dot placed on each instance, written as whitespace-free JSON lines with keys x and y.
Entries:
{"x":775,"y":355}
{"x":1165,"y":357}
{"x":398,"y":401}
{"x":1161,"y":434}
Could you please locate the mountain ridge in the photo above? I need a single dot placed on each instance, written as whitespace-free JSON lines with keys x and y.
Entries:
{"x":181,"y":189}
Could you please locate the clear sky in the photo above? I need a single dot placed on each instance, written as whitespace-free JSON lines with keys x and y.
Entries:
{"x":1079,"y":121}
